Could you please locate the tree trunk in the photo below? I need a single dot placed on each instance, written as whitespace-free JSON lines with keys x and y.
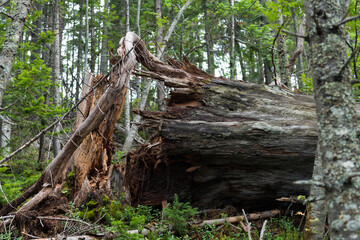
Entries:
{"x":86,"y":38}
{"x":299,"y":46}
{"x":316,"y":211}
{"x":104,"y":59}
{"x":127,"y":101}
{"x":337,"y":120}
{"x":210,"y":68}
{"x":11,"y":44}
{"x":267,"y":63}
{"x":282,"y":53}
{"x":93,"y":38}
{"x":267,"y":72}
{"x":242,"y":65}
{"x":80,"y":52}
{"x":260,"y":65}
{"x":221,"y":142}
{"x":107,"y":107}
{"x":56,"y":54}
{"x":225,"y":143}
{"x":159,"y":42}
{"x":232,"y":44}
{"x":299,"y":49}
{"x":5,"y":135}
{"x":138,"y":18}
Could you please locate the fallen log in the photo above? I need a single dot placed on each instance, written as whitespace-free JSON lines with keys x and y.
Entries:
{"x":234,"y":144}
{"x":221,"y":142}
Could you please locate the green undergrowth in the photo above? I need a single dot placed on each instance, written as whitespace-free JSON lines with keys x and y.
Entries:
{"x":16,"y":177}
{"x":114,"y":218}
{"x":173,"y":223}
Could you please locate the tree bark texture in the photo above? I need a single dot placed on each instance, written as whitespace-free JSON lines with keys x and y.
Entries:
{"x":337,"y":120}
{"x":92,"y":159}
{"x":316,"y":211}
{"x":225,"y":142}
{"x":52,"y":179}
{"x":11,"y":44}
{"x":221,"y":142}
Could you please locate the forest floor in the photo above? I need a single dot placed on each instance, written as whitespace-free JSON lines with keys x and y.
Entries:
{"x":115,"y":219}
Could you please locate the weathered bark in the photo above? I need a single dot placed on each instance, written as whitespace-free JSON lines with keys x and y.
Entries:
{"x":316,"y":211}
{"x":225,"y":142}
{"x":92,"y":159}
{"x":337,"y":120}
{"x":11,"y":44}
{"x":52,"y":179}
{"x":221,"y":142}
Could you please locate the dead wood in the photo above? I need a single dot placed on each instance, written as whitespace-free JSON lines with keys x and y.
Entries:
{"x":104,"y":112}
{"x":236,"y":219}
{"x":221,"y":221}
{"x":221,"y":142}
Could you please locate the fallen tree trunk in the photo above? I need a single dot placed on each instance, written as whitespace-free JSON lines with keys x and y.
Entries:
{"x":234,"y":144}
{"x":221,"y":142}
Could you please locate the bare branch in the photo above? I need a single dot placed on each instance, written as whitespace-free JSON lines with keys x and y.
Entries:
{"x":348,"y":61}
{"x":310,"y":182}
{"x":8,"y":15}
{"x":3,"y":3}
{"x":263,"y":230}
{"x":346,"y":20}
{"x":172,"y":26}
{"x":295,"y":34}
{"x":248,"y":224}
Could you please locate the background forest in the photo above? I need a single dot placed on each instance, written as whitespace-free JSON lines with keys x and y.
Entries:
{"x":244,"y":40}
{"x":65,"y":41}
